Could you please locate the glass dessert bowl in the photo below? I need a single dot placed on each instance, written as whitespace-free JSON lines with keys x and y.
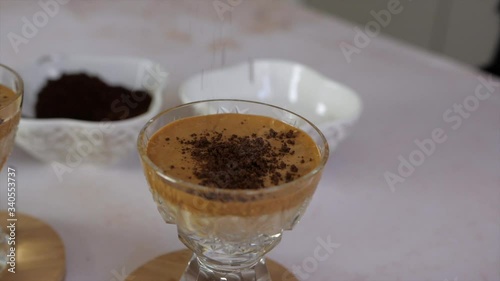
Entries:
{"x":232,"y":175}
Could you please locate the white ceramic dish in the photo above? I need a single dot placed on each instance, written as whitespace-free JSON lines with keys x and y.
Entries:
{"x":331,"y":106}
{"x":72,"y":142}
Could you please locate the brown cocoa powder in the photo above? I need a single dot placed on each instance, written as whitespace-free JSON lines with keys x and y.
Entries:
{"x":237,"y":162}
{"x":84,"y":97}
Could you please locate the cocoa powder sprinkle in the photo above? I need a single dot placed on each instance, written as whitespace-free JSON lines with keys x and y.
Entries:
{"x":239,"y":162}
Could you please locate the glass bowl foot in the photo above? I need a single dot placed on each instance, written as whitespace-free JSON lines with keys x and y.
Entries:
{"x":172,"y":266}
{"x":195,"y":271}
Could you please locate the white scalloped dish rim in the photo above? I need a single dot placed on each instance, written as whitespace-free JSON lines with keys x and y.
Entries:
{"x":330,"y":105}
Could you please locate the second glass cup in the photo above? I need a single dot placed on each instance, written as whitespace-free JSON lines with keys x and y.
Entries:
{"x":11,"y":96}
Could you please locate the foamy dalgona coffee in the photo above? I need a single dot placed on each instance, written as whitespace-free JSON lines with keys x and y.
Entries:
{"x":230,"y":154}
{"x":10,"y":113}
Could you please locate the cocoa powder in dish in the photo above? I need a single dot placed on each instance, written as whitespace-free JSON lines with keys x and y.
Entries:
{"x":84,"y":97}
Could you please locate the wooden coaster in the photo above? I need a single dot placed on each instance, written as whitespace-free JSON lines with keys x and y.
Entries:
{"x":169,"y":267}
{"x":39,"y":251}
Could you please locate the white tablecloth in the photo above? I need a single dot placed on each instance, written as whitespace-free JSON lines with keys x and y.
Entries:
{"x":442,"y":222}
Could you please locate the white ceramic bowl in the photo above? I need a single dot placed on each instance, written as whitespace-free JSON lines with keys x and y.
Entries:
{"x":72,"y":142}
{"x":331,"y":106}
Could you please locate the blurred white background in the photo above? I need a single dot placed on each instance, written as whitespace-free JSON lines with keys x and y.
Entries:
{"x":466,"y":30}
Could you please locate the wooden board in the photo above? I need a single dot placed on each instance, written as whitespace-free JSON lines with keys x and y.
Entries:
{"x":169,"y":267}
{"x":39,"y":251}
